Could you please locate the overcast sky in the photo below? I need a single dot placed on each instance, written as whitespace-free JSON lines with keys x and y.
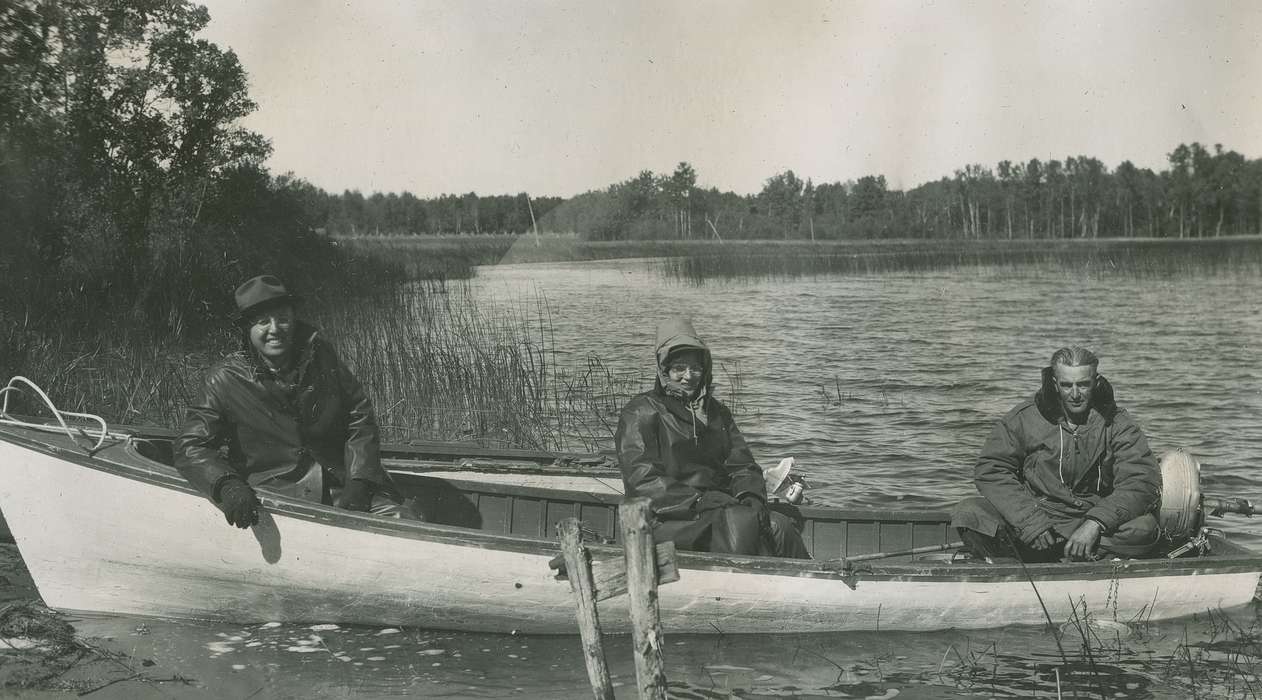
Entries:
{"x":559,"y":98}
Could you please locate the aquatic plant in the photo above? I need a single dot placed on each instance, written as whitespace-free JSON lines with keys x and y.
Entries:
{"x":438,"y":365}
{"x":1144,"y":259}
{"x":444,"y":366}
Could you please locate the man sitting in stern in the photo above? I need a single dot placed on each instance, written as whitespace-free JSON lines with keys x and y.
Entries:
{"x":292,"y":418}
{"x":1067,"y":474}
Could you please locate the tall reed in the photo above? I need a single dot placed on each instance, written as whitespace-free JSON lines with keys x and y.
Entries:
{"x":1132,"y":258}
{"x":437,"y":363}
{"x":442,"y":365}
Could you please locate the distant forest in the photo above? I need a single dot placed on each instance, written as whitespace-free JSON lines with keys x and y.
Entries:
{"x":1203,"y":193}
{"x":131,"y":193}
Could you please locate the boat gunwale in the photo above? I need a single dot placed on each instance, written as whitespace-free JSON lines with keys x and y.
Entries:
{"x":165,"y":476}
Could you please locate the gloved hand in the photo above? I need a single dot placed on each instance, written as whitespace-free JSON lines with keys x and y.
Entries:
{"x":713,"y":499}
{"x":356,"y":496}
{"x":238,"y":502}
{"x":760,"y":506}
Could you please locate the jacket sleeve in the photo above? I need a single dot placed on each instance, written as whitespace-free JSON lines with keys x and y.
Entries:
{"x":1136,"y":477}
{"x":998,"y":478}
{"x":363,"y":440}
{"x":746,"y":476}
{"x":206,"y":429}
{"x":640,"y":459}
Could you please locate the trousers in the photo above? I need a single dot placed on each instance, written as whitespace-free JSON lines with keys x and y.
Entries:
{"x":734,"y":529}
{"x":387,"y":505}
{"x":986,"y":533}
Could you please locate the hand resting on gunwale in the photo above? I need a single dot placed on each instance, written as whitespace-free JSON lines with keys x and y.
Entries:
{"x":290,"y":416}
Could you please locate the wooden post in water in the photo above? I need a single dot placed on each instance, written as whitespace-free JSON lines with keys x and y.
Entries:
{"x":579,"y":572}
{"x":646,"y":628}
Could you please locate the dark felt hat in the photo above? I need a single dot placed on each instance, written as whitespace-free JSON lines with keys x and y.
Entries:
{"x":258,"y":292}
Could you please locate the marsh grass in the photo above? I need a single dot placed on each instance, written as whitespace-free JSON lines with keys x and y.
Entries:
{"x":1137,"y":659}
{"x":703,"y":261}
{"x":487,"y":249}
{"x":1145,"y":258}
{"x":123,"y":375}
{"x":437,"y":364}
{"x":442,"y":366}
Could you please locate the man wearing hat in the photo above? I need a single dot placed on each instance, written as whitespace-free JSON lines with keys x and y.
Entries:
{"x":293,"y":419}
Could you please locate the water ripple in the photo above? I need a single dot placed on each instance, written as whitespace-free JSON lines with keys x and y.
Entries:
{"x":885,"y":386}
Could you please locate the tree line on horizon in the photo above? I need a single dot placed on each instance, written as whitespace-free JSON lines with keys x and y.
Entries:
{"x":1203,"y":193}
{"x":127,"y":182}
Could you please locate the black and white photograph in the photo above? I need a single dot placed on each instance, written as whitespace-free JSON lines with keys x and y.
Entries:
{"x":621,"y":350}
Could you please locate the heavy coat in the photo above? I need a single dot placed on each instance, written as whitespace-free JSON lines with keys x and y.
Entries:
{"x":1040,"y":474}
{"x":687,"y":457}
{"x":662,"y":458}
{"x":298,"y":439}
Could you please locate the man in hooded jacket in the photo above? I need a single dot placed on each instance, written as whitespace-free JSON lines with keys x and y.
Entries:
{"x":1068,"y":473}
{"x":679,"y":447}
{"x":290,"y":416}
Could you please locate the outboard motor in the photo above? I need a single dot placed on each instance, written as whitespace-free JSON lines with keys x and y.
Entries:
{"x":1183,"y":507}
{"x":1180,"y":513}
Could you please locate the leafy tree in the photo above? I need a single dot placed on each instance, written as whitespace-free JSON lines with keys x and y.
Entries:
{"x":117,"y":110}
{"x":781,"y":200}
{"x":1032,"y":184}
{"x":678,"y":189}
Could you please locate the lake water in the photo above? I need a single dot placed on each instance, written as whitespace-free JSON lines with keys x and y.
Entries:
{"x":884,"y":388}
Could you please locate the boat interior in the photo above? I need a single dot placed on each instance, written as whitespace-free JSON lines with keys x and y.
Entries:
{"x":448,"y":484}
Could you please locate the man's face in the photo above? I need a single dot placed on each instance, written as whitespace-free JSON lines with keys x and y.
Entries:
{"x":1074,"y":386}
{"x":271,"y":332}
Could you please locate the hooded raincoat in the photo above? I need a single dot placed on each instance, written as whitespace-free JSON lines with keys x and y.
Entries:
{"x":305,"y":439}
{"x":1039,"y":472}
{"x":690,"y":460}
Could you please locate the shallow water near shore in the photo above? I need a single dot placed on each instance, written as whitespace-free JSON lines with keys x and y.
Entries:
{"x":271,"y":660}
{"x":884,"y":387}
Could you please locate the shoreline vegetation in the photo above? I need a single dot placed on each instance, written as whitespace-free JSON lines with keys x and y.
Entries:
{"x":701,"y":262}
{"x":1204,"y":193}
{"x":430,"y":256}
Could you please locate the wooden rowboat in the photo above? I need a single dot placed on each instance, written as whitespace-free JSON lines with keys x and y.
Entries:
{"x":120,"y":531}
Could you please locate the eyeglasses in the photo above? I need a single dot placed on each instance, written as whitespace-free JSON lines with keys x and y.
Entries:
{"x":681,"y":368}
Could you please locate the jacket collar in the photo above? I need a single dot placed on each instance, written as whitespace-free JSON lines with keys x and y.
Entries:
{"x":683,"y":409}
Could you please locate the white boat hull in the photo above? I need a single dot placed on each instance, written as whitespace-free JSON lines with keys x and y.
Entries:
{"x":95,"y":540}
